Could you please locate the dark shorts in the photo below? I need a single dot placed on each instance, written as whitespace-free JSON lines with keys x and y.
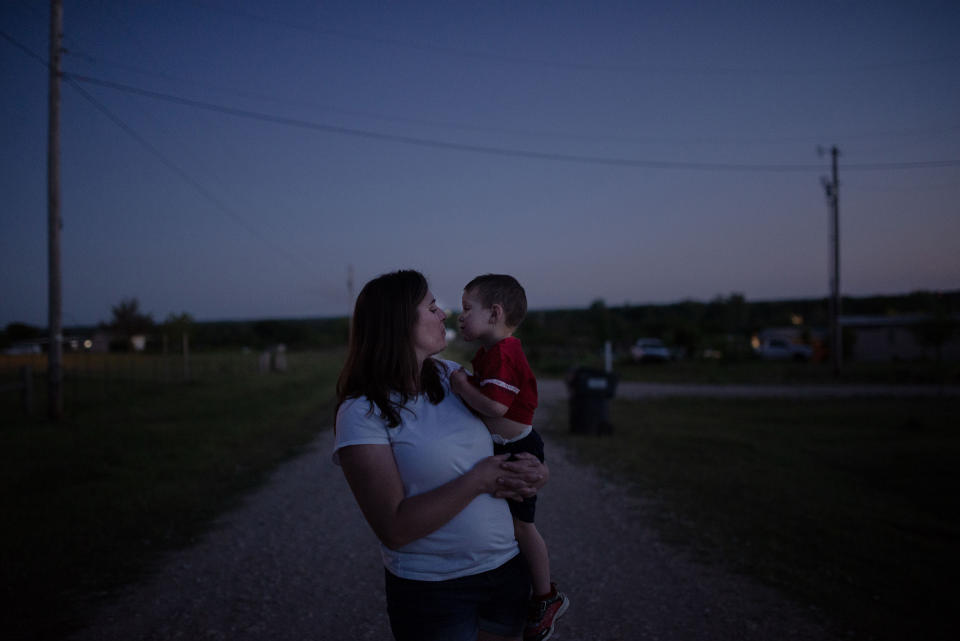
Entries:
{"x":532,"y":443}
{"x":454,"y":610}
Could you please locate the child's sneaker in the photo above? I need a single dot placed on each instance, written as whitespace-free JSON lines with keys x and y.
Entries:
{"x":544,"y":614}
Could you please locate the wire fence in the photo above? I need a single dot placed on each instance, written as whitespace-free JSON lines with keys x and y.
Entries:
{"x":99,"y":376}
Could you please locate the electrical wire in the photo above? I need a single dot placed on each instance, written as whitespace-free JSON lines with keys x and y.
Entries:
{"x":856,"y":136}
{"x":200,"y":188}
{"x":503,"y":151}
{"x":221,"y":206}
{"x":498,"y":151}
{"x":24,"y":48}
{"x":560,"y":64}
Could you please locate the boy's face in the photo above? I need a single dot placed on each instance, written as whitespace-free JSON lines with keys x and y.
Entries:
{"x":475,"y":319}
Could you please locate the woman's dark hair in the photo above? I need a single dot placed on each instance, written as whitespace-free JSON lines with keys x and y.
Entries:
{"x":381,"y":362}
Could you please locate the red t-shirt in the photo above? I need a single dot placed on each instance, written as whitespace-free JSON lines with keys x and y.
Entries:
{"x":503,"y":375}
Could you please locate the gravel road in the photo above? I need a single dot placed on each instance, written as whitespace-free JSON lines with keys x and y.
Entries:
{"x":297,"y":561}
{"x":631,"y":389}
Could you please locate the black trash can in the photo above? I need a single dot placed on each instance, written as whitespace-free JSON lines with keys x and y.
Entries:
{"x":590,"y":391}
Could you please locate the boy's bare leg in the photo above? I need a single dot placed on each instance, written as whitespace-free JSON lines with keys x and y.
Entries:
{"x":535,"y":551}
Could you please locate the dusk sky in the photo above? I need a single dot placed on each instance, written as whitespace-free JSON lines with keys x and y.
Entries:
{"x":233,"y":159}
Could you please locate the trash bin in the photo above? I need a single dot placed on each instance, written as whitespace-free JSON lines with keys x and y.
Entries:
{"x":590,"y":391}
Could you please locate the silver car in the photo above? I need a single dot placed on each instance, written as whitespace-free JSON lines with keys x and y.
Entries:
{"x":779,"y":349}
{"x":650,"y":350}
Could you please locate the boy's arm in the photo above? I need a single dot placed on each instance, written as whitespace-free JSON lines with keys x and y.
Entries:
{"x":472,"y":396}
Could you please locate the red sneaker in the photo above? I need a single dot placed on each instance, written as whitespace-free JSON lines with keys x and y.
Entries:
{"x":544,"y":614}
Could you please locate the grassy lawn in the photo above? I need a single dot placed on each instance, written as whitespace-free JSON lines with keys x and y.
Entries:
{"x":847,"y":505}
{"x":93,"y":502}
{"x":555,"y":363}
{"x":753,"y":371}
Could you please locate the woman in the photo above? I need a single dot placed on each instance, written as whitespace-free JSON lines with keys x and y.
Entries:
{"x":420,"y":466}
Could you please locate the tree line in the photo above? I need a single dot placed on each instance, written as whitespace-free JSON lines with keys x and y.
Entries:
{"x":724,"y":323}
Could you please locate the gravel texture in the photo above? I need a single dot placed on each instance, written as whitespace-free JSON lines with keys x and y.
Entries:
{"x":297,"y":561}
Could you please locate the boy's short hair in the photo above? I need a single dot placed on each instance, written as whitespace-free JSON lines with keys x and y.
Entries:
{"x":502,"y":289}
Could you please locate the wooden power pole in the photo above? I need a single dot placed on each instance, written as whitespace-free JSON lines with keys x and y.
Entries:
{"x":55,"y":346}
{"x":832,"y":188}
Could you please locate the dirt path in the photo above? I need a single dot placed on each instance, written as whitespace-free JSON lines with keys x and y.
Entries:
{"x":297,"y":561}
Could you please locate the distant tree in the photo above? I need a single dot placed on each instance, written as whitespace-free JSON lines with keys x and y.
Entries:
{"x":737,"y":312}
{"x":601,"y":319}
{"x":686,"y":336}
{"x":128,"y":320}
{"x":21,"y":332}
{"x":178,"y":323}
{"x":727,"y":315}
{"x":176,"y":327}
{"x":937,"y":329}
{"x":268,"y":332}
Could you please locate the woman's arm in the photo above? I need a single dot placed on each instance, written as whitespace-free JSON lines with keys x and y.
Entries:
{"x":375,"y":481}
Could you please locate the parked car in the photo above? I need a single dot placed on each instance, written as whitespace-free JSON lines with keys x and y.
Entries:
{"x":779,"y":349}
{"x":650,"y":350}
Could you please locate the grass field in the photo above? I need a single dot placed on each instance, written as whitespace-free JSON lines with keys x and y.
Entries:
{"x":92,"y":502}
{"x":556,"y":361}
{"x":849,"y":506}
{"x":94,"y":377}
{"x":787,"y":372}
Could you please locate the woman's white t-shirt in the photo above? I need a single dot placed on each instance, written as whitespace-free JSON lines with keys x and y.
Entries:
{"x":432,"y":445}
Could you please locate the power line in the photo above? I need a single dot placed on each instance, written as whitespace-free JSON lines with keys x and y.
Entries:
{"x":200,"y":188}
{"x":888,"y":166}
{"x":499,"y":151}
{"x":25,"y":49}
{"x":563,"y":135}
{"x":186,"y":177}
{"x":562,"y":64}
{"x":489,"y":150}
{"x":700,"y":140}
{"x":426,"y":142}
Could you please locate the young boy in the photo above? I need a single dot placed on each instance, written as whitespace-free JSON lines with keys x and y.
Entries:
{"x":503,"y":391}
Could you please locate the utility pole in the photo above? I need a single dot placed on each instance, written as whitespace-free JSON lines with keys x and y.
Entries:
{"x":54,"y":222}
{"x":832,"y":188}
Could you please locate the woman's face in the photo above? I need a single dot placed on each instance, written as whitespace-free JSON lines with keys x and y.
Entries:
{"x":429,"y":332}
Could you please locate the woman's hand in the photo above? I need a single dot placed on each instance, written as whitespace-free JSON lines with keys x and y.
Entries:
{"x":488,"y":474}
{"x":522,"y":477}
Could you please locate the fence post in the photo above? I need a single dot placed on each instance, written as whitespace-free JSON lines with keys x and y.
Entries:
{"x":263,"y":365}
{"x":26,"y":393}
{"x":186,"y":356}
